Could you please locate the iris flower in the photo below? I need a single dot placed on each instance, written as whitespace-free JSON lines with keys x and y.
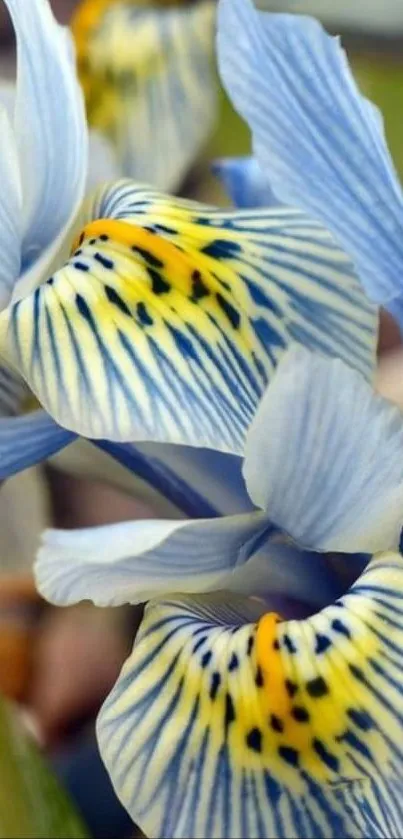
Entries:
{"x":168,"y":319}
{"x":149,"y":84}
{"x":228,"y":720}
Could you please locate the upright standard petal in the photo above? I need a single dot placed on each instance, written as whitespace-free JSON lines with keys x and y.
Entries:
{"x":324,"y":457}
{"x":133,"y":561}
{"x":318,"y":140}
{"x":149,"y":83}
{"x":245,"y":182}
{"x":10,"y":209}
{"x":227,"y":722}
{"x":169,"y":318}
{"x":50,"y":125}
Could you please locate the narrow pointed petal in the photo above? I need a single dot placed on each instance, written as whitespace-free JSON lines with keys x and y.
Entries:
{"x":28,"y":440}
{"x":149,"y":83}
{"x":227,"y":722}
{"x":324,"y":457}
{"x":133,"y":561}
{"x":10,"y":209}
{"x":318,"y":140}
{"x":172,"y":317}
{"x":50,"y":124}
{"x":245,"y":182}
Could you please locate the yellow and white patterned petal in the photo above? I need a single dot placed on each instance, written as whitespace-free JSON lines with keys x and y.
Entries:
{"x":148,"y":79}
{"x":169,"y":319}
{"x":228,"y":722}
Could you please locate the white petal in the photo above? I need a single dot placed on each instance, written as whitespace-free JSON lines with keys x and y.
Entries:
{"x":50,"y":124}
{"x":324,"y":457}
{"x":28,"y":440}
{"x":133,"y":561}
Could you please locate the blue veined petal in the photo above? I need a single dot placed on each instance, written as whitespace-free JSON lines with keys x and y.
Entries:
{"x":170,"y":317}
{"x":227,"y":722}
{"x":318,"y":140}
{"x":50,"y":125}
{"x":10,"y":209}
{"x":131,"y":562}
{"x":149,"y":83}
{"x":27,"y":440}
{"x":324,"y":457}
{"x":245,"y":182}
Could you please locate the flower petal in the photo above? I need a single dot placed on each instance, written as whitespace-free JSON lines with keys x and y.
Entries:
{"x":324,"y":457}
{"x":28,"y":440}
{"x":244,"y":181}
{"x":172,"y":316}
{"x":10,"y":209}
{"x":13,"y":392}
{"x":149,"y":84}
{"x":50,"y":125}
{"x":133,"y":561}
{"x":227,"y":723}
{"x":318,"y":140}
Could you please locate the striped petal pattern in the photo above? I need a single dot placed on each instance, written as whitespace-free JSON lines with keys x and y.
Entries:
{"x":149,"y":84}
{"x":323,"y":457}
{"x":228,"y":722}
{"x":50,"y":125}
{"x":131,"y":562}
{"x":169,"y":318}
{"x":321,"y":144}
{"x":28,"y":440}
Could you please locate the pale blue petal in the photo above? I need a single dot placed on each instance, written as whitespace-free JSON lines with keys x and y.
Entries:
{"x":13,"y":392}
{"x":10,"y":209}
{"x":27,"y":440}
{"x":50,"y":125}
{"x":244,"y":182}
{"x":131,"y":562}
{"x":324,"y":457}
{"x":225,"y":723}
{"x":318,"y":140}
{"x":168,"y":320}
